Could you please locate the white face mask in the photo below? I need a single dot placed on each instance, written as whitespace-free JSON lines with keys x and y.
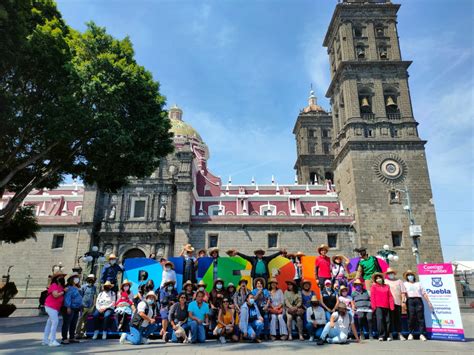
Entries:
{"x":391,"y":276}
{"x":379,"y":281}
{"x":201,"y":288}
{"x":126,"y":288}
{"x":167,"y":268}
{"x":113,"y":261}
{"x":411,"y":278}
{"x":76,"y":280}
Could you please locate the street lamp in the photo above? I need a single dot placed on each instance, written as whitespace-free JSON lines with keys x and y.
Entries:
{"x":387,"y":254}
{"x":415,"y":230}
{"x":92,"y":256}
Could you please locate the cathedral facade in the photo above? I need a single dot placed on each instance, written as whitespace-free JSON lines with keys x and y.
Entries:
{"x":361,"y":177}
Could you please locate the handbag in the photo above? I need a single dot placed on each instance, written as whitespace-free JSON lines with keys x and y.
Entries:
{"x":278,"y":310}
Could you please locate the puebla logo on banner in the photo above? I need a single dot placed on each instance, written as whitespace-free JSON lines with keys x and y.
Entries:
{"x":444,"y":322}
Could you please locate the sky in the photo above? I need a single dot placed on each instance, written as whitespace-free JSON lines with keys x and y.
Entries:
{"x":241,"y":71}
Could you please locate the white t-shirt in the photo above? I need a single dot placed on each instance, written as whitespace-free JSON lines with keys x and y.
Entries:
{"x":141,"y":308}
{"x":342,"y":323}
{"x":167,"y":276}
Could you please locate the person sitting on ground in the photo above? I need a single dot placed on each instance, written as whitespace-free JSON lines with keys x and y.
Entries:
{"x":104,"y":306}
{"x":316,"y":319}
{"x":124,"y":307}
{"x":251,"y":321}
{"x":336,"y":331}
{"x":294,"y":309}
{"x":72,"y":307}
{"x":363,"y":309}
{"x":381,"y":300}
{"x":178,"y":318}
{"x":198,"y":318}
{"x":143,"y":321}
{"x":276,"y":310}
{"x":225,"y":323}
{"x":329,"y":299}
{"x":168,"y":296}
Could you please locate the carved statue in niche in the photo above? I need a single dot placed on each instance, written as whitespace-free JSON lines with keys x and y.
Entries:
{"x":162,"y":212}
{"x":112,"y":212}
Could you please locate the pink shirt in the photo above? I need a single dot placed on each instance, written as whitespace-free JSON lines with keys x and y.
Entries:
{"x":51,"y":301}
{"x":380,"y":296}
{"x":397,"y":288}
{"x":414,"y":289}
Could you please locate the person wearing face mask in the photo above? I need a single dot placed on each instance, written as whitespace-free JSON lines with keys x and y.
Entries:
{"x":329,"y":299}
{"x":110,"y":272}
{"x":416,"y":314}
{"x":215,"y":301}
{"x":168,"y":296}
{"x":190,"y":263}
{"x":316,"y":319}
{"x":336,"y":331}
{"x":168,"y":273}
{"x":346,"y":299}
{"x":71,"y":309}
{"x":363,"y":309}
{"x":88,"y":292}
{"x":124,"y":307}
{"x":339,"y":270}
{"x":104,"y":306}
{"x":251,"y":321}
{"x":52,"y":306}
{"x":188,"y":290}
{"x":367,"y":267}
{"x":143,"y":321}
{"x":399,"y":297}
{"x":381,"y":301}
{"x":201,"y":286}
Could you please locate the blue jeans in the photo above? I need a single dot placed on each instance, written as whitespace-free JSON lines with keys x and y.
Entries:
{"x":314,"y":331}
{"x":254,"y":329}
{"x":185,"y":326}
{"x":198,"y":332}
{"x":334,"y":335}
{"x":106,"y":322}
{"x":135,"y":336}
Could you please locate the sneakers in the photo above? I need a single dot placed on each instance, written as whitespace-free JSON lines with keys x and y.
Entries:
{"x":410,"y":337}
{"x":257,"y":340}
{"x":54,"y":343}
{"x":96,"y":335}
{"x":401,"y":337}
{"x":123,"y":337}
{"x":320,"y":342}
{"x":389,"y":339}
{"x":222,"y":340}
{"x":104,"y":335}
{"x":44,"y":343}
{"x":380,"y":339}
{"x":422,"y":337}
{"x":311,"y":338}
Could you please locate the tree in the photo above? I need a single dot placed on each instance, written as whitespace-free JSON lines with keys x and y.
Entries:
{"x":72,"y":103}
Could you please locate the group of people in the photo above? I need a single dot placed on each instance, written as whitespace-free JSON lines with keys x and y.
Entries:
{"x":344,"y":308}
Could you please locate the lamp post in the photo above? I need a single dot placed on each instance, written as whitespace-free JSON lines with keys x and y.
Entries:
{"x":415,"y":230}
{"x":92,"y":256}
{"x":387,"y":254}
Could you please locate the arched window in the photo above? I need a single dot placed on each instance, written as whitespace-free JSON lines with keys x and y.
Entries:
{"x":358,"y":31}
{"x":365,"y":102}
{"x":379,"y":30}
{"x":391,"y":103}
{"x":383,"y":51}
{"x":319,"y":211}
{"x":268,"y":210}
{"x":360,"y":51}
{"x":216,"y":210}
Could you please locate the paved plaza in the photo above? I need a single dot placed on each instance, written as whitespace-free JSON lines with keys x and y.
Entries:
{"x":22,"y":335}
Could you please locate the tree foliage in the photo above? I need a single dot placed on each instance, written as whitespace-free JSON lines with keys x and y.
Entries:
{"x":72,"y":103}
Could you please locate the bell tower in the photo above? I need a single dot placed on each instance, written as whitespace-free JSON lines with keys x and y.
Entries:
{"x":380,"y":167}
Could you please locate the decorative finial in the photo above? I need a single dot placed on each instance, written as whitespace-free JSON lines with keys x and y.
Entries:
{"x":273,"y":180}
{"x":253,"y":180}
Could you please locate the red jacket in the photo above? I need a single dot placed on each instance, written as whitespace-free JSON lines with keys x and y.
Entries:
{"x":323,"y":266}
{"x":380,"y":296}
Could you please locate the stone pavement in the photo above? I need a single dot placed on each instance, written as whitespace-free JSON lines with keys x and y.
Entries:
{"x":22,"y":335}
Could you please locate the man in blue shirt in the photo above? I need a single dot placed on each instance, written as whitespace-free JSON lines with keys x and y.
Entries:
{"x":198,"y":318}
{"x":110,"y":272}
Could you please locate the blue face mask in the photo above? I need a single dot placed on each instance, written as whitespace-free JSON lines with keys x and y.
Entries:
{"x":251,"y":301}
{"x":170,"y":288}
{"x":411,"y":278}
{"x":150,"y":301}
{"x":219,"y":286}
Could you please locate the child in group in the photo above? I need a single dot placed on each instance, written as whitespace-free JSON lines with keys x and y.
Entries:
{"x":346,"y":299}
{"x":339,"y":271}
{"x":124,"y":307}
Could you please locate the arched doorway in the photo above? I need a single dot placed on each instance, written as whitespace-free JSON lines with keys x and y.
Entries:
{"x":133,"y":253}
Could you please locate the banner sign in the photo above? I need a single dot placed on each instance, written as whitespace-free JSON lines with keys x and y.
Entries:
{"x":230,"y":269}
{"x":444,"y":323}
